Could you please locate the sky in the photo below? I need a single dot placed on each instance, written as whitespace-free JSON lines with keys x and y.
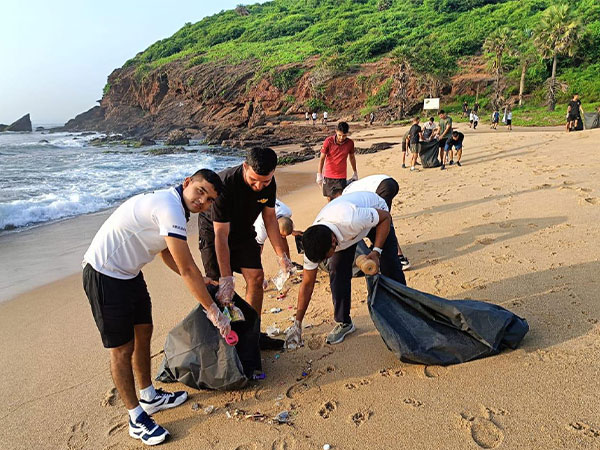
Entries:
{"x":56,"y":55}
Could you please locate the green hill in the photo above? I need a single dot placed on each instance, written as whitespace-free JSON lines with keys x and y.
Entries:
{"x":437,"y":33}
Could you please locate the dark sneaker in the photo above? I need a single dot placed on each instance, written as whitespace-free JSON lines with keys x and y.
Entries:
{"x":451,"y":162}
{"x":443,"y":167}
{"x":404,"y":262}
{"x":146,"y":429}
{"x":265,"y":342}
{"x":458,"y":164}
{"x":404,"y":166}
{"x":163,"y":400}
{"x":340,"y":331}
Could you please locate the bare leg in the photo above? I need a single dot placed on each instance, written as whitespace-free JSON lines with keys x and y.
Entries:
{"x":122,"y":373}
{"x":254,"y":287}
{"x":141,"y":354}
{"x":458,"y":155}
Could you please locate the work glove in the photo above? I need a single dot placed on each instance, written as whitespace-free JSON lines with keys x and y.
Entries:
{"x":226,"y":290}
{"x":217,"y":318}
{"x":286,"y":264}
{"x":354,"y":177}
{"x":293,"y":336}
{"x":319,"y":179}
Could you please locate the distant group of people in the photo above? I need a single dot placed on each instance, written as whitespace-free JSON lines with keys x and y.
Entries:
{"x":474,"y":119}
{"x":449,"y":140}
{"x":314,"y":117}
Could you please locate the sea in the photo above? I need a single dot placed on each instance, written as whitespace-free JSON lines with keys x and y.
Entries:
{"x":56,"y":190}
{"x":45,"y":177}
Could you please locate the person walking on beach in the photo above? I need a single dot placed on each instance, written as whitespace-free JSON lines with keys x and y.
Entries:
{"x":405,"y":147}
{"x":143,"y":226}
{"x":415,"y":134}
{"x":465,"y":109}
{"x":507,"y":119}
{"x":306,"y":116}
{"x":325,"y":117}
{"x":371,"y":118}
{"x":314,"y":118}
{"x":456,"y":141}
{"x":474,"y":120}
{"x":335,"y":153}
{"x":387,"y":188}
{"x":335,"y":233}
{"x":227,"y":237}
{"x":573,"y":113}
{"x":443,"y":131}
{"x":495,"y":119}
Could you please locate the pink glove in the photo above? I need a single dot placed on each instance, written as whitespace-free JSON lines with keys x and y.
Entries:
{"x":226,"y":290}
{"x":218,"y":320}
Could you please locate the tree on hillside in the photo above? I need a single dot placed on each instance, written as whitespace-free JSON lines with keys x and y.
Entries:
{"x":557,"y":34}
{"x":497,"y":45}
{"x":526,"y":55}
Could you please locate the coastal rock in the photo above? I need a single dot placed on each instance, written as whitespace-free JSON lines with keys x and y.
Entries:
{"x":23,"y":124}
{"x":37,"y":128}
{"x":177,"y":137}
{"x":145,"y":141}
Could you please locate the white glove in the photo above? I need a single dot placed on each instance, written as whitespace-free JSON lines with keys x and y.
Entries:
{"x":293,"y":336}
{"x":286,"y":264}
{"x":319,"y":179}
{"x":217,"y":318}
{"x":354,"y":177}
{"x":226,"y":290}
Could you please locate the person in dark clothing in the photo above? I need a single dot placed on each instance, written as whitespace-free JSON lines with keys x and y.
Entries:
{"x":573,"y":113}
{"x":456,"y":141}
{"x":415,"y":134}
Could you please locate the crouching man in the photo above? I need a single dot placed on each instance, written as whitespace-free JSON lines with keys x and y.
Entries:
{"x":335,"y":234}
{"x":135,"y":232}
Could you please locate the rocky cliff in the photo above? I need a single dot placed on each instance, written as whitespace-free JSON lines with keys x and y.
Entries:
{"x":235,"y":105}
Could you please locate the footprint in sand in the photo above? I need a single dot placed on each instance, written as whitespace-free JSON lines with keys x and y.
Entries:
{"x":585,"y":428}
{"x":327,"y":408}
{"x":116,"y":424}
{"x":389,"y":372}
{"x":590,"y":201}
{"x":484,"y":432}
{"x":315,"y":343}
{"x":110,"y":397}
{"x":78,"y":436}
{"x":360,"y":417}
{"x":485,"y":241}
{"x":413,"y":402}
{"x":297,"y":390}
{"x":434,"y":371}
{"x":286,"y":442}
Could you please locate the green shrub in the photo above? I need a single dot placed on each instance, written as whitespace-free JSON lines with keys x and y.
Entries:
{"x":106,"y":89}
{"x":382,"y":97}
{"x":285,"y":79}
{"x":315,"y":104}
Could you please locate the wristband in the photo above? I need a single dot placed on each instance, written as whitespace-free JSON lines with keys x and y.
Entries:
{"x":378,"y":250}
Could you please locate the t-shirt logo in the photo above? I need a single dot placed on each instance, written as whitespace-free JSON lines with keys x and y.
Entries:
{"x":262,"y":200}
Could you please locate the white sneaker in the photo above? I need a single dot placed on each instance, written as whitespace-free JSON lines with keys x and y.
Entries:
{"x":163,"y":400}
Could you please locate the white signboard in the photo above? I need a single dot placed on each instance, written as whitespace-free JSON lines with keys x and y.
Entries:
{"x":431,"y":103}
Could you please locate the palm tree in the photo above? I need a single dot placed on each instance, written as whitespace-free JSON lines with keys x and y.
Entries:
{"x":497,"y":45}
{"x":526,"y":55}
{"x":557,"y":34}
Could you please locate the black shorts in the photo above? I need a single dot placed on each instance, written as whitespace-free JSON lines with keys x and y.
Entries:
{"x":508,"y":121}
{"x":117,"y":305}
{"x":242,"y":254}
{"x":572,"y":117}
{"x":442,"y":142}
{"x":387,"y":190}
{"x":333,"y":186}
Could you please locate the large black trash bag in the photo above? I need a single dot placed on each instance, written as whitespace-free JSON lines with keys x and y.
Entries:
{"x":425,"y":329}
{"x":197,"y":356}
{"x":429,"y":154}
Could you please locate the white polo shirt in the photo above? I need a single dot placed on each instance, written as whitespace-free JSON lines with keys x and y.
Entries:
{"x":135,"y":232}
{"x":366,"y":184}
{"x":281,"y":210}
{"x":350,"y":217}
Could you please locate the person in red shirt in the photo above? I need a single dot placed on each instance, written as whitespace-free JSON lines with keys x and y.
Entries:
{"x":337,"y":149}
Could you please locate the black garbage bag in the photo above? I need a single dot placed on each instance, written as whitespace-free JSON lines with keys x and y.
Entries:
{"x":429,"y":154}
{"x":197,"y":356}
{"x":425,"y":329}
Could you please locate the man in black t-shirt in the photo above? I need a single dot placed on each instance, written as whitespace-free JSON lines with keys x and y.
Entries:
{"x":415,"y":134}
{"x":573,"y":113}
{"x":456,"y":141}
{"x":226,"y":232}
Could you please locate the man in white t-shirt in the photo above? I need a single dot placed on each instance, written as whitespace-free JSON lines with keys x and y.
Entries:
{"x":335,"y":233}
{"x":387,"y":188}
{"x":286,"y":227}
{"x":325,"y":116}
{"x":139,"y":229}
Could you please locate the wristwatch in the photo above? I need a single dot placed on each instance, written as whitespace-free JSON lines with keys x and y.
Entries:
{"x":378,"y":250}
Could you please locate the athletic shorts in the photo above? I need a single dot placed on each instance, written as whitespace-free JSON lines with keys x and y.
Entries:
{"x":387,"y":190}
{"x":572,"y":117}
{"x":442,"y":142}
{"x":416,"y":147}
{"x":333,"y":186}
{"x":508,"y":121}
{"x":448,"y":146}
{"x":242,"y":254}
{"x":117,"y":305}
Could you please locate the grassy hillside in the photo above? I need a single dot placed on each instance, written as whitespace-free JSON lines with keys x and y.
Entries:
{"x":357,"y":31}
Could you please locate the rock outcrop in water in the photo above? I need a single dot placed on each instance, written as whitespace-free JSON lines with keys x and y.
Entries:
{"x":23,"y":124}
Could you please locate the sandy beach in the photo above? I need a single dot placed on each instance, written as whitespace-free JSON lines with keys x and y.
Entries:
{"x":516,"y":225}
